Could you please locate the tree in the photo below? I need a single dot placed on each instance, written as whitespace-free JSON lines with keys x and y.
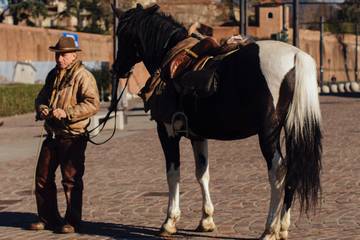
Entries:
{"x":27,"y":10}
{"x":73,"y":9}
{"x":347,"y":18}
{"x":98,"y":14}
{"x":350,"y":11}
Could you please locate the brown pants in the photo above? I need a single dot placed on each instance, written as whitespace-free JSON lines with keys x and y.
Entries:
{"x":69,"y":153}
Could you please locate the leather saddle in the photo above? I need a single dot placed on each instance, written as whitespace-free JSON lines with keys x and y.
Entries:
{"x":189,"y":59}
{"x":194,"y":70}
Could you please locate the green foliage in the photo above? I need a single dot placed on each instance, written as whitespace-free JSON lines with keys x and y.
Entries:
{"x":17,"y":98}
{"x":340,"y":27}
{"x":97,"y":13}
{"x":350,"y":11}
{"x":281,"y":36}
{"x":27,"y":11}
{"x":348,"y":15}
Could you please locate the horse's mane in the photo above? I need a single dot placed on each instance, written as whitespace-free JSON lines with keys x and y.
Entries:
{"x":157,"y":33}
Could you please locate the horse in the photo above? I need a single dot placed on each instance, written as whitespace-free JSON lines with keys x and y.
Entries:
{"x":268,"y":88}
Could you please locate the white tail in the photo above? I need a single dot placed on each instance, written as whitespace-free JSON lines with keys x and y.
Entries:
{"x":305,"y":104}
{"x":303,"y":135}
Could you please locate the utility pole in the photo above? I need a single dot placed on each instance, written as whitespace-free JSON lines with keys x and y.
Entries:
{"x":356,"y":51}
{"x":115,"y":24}
{"x":284,"y":27}
{"x":321,"y":50}
{"x":243,"y":16}
{"x":295,"y":6}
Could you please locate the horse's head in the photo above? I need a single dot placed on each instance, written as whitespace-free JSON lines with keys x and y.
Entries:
{"x":129,"y":46}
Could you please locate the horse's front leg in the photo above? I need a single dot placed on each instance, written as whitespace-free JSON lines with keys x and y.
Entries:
{"x":200,"y":148}
{"x":170,"y":146}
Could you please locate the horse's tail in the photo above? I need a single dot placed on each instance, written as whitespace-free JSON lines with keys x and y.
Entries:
{"x":303,"y":135}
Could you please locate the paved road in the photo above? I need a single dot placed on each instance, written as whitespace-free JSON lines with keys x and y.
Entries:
{"x":126,"y":190}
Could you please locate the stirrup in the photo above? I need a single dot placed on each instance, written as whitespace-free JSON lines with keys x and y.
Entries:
{"x":178,"y":118}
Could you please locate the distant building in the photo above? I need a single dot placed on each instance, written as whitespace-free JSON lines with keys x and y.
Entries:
{"x":267,"y":20}
{"x":270,"y":18}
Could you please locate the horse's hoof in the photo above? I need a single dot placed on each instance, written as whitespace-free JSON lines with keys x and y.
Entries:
{"x":268,"y":236}
{"x":206,"y":227}
{"x":166,"y":231}
{"x":284,"y":235}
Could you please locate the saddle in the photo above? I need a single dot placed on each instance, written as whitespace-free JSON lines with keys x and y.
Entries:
{"x":195,"y":58}
{"x":190,"y":59}
{"x":193,"y":70}
{"x":189,"y":70}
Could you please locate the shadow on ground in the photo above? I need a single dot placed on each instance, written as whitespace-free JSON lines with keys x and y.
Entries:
{"x":115,"y":231}
{"x":16,"y":219}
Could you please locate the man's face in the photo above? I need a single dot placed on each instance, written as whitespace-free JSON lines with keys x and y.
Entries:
{"x":63,"y":60}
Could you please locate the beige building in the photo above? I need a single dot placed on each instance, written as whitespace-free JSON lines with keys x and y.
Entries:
{"x":269,"y":19}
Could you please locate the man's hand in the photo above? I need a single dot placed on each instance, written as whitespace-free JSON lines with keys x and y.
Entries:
{"x":44,"y":113}
{"x":59,"y":113}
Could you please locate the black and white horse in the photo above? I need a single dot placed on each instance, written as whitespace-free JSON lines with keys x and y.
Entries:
{"x":264,"y":88}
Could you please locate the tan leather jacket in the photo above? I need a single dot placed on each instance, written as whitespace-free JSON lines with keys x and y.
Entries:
{"x":75,"y":91}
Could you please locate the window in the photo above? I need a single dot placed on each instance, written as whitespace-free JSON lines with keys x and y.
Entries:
{"x":270,"y":15}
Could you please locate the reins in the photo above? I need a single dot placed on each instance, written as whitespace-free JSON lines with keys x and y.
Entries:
{"x":113,"y":108}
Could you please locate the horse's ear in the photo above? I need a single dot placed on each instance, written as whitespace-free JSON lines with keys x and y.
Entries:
{"x":117,"y":11}
{"x":139,"y":6}
{"x":152,"y":9}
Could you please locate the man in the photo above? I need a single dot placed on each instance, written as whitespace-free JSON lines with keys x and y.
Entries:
{"x":67,"y":100}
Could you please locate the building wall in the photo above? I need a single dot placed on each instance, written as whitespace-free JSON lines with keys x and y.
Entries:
{"x":209,"y":12}
{"x":31,"y":44}
{"x":334,"y":60}
{"x":27,"y":44}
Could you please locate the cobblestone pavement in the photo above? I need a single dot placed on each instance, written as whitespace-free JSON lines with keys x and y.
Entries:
{"x":126,"y":189}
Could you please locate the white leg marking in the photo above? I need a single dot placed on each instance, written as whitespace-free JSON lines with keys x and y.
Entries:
{"x":276,"y":179}
{"x":200,"y":149}
{"x":285,"y":223}
{"x":173,"y":214}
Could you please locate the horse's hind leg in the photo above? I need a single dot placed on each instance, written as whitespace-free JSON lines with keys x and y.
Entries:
{"x":276,"y":174}
{"x":200,"y":148}
{"x":285,"y":212}
{"x":170,"y":146}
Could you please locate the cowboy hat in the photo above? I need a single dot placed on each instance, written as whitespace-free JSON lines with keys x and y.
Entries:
{"x":65,"y":44}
